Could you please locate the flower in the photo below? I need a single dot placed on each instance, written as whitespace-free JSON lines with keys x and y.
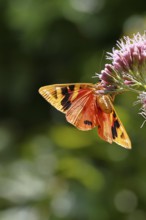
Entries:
{"x":127,"y":71}
{"x":128,"y":64}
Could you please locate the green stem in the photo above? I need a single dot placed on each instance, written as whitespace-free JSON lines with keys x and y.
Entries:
{"x":134,"y":90}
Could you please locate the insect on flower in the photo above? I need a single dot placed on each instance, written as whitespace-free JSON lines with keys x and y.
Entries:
{"x":86,"y":107}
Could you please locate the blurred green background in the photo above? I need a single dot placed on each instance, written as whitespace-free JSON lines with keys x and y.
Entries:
{"x":48,"y":169}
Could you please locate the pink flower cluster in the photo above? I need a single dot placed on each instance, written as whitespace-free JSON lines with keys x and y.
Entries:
{"x":128,"y":63}
{"x":127,"y":71}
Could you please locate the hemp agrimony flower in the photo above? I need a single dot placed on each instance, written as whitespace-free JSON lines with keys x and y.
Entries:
{"x":127,"y":71}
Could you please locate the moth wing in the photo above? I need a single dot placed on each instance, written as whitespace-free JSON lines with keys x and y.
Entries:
{"x":61,"y":96}
{"x":119,"y":133}
{"x":83,"y":111}
{"x":111,"y":129}
{"x":77,"y":101}
{"x":104,"y":126}
{"x":55,"y":94}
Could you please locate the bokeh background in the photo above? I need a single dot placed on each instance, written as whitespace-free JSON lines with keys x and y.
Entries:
{"x":48,"y":169}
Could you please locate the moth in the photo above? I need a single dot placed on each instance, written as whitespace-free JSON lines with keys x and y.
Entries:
{"x":86,"y":108}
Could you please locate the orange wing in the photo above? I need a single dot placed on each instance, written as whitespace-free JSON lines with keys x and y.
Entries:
{"x":111,"y":129}
{"x":85,"y":109}
{"x":77,"y":101}
{"x":119,"y":133}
